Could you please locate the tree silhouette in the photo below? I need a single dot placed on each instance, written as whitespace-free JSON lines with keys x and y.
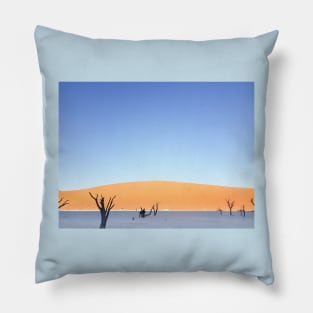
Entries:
{"x":147,"y":214}
{"x":155,"y":209}
{"x":62,"y":203}
{"x":243,"y":210}
{"x":220,"y":211}
{"x":230,"y":205}
{"x":104,"y":209}
{"x":142,"y":212}
{"x":252,"y":201}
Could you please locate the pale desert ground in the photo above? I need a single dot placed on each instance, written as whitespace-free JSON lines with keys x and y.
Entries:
{"x":164,"y":219}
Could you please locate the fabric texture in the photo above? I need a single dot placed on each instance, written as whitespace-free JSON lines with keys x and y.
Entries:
{"x":65,"y":57}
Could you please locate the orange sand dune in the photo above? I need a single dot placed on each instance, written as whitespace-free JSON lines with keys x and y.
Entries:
{"x":169,"y":195}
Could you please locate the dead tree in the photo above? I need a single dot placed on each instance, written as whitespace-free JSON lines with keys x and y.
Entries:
{"x":155,"y":209}
{"x":230,"y":205}
{"x":104,"y":209}
{"x":243,"y":210}
{"x":142,"y":212}
{"x":220,"y":211}
{"x":147,"y":214}
{"x":252,"y":201}
{"x":62,"y":203}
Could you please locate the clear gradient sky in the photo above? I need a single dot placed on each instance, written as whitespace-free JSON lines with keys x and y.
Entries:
{"x":130,"y":131}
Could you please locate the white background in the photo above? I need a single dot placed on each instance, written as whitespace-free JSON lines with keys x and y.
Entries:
{"x":289,"y":156}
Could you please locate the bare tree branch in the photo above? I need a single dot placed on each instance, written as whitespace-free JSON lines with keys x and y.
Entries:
{"x":62,"y":203}
{"x":96,"y":200}
{"x":109,"y":205}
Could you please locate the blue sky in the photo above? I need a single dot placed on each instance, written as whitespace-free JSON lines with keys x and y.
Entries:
{"x":111,"y":132}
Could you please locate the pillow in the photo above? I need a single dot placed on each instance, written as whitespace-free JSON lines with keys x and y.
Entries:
{"x":154,"y":155}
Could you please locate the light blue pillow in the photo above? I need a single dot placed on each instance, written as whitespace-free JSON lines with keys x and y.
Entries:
{"x":176,"y":126}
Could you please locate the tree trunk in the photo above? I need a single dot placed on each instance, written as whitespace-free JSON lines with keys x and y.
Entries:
{"x":106,"y":219}
{"x":103,"y":219}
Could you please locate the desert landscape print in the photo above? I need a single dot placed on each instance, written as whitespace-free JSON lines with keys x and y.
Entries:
{"x":156,"y":155}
